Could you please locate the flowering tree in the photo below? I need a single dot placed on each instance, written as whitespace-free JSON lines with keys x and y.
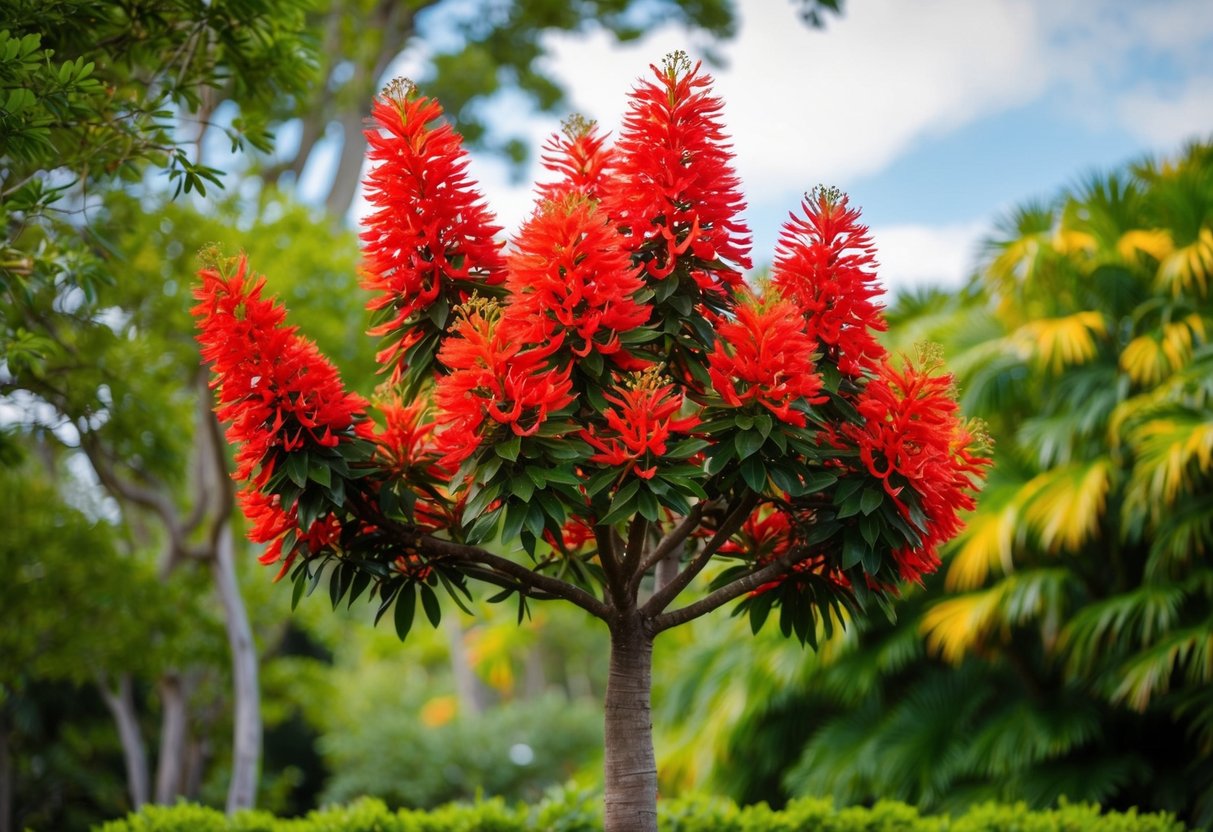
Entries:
{"x":600,"y":410}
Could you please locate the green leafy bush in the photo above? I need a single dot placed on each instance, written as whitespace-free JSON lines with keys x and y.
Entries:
{"x":580,"y":811}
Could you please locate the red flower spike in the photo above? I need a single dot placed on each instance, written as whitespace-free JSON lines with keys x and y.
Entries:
{"x":671,"y":186}
{"x":641,"y":423}
{"x":429,"y":239}
{"x":765,"y":355}
{"x":571,"y":282}
{"x":494,"y":379}
{"x":274,"y":388}
{"x":276,"y":392}
{"x":824,"y":262}
{"x":913,"y":436}
{"x":579,"y":155}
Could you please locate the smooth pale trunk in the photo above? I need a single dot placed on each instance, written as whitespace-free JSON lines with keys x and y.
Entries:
{"x":174,"y":730}
{"x":121,"y":704}
{"x":630,"y":768}
{"x":246,"y":731}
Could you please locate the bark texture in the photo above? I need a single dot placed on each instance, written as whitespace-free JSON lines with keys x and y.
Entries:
{"x":630,"y":767}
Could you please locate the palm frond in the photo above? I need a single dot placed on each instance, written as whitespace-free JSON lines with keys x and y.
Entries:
{"x":1064,"y":505}
{"x":1151,"y":672}
{"x":1110,"y":627}
{"x":1182,"y":537}
{"x":1057,"y":343}
{"x":1174,"y":451}
{"x":1188,"y":269}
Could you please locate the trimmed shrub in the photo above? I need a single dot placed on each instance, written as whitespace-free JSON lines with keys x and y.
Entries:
{"x":568,"y":810}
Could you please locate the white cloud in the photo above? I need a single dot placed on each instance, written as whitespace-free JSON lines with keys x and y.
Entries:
{"x":1166,"y":119}
{"x":806,"y":106}
{"x":919,"y":255}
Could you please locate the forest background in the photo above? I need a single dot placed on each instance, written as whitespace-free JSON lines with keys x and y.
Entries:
{"x":1066,"y":648}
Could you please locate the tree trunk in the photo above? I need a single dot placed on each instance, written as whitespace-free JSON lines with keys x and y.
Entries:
{"x":347,"y":181}
{"x":174,"y":723}
{"x":121,"y":704}
{"x":6,"y":781}
{"x":630,"y":768}
{"x":246,"y":734}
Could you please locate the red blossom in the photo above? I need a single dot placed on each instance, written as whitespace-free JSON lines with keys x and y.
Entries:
{"x":276,"y":391}
{"x":641,"y":423}
{"x":273,"y":387}
{"x":824,"y":262}
{"x":765,"y":355}
{"x":429,"y":238}
{"x":269,"y":524}
{"x":579,"y":154}
{"x":671,"y":185}
{"x":495,"y":378}
{"x":912,"y":437}
{"x":571,"y":282}
{"x":408,"y":452}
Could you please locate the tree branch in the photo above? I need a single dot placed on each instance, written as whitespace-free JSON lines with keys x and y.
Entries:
{"x":449,"y":550}
{"x":732,"y":522}
{"x":605,"y":536}
{"x":667,"y":544}
{"x":747,"y":583}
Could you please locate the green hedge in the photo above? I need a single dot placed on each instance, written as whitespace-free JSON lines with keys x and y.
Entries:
{"x":580,"y":812}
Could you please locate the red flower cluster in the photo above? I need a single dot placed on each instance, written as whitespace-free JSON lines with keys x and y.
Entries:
{"x":765,"y":355}
{"x":767,"y":535}
{"x":570,"y":281}
{"x":408,"y":452}
{"x":913,"y":437}
{"x":671,"y":186}
{"x":278,"y":394}
{"x":824,"y":262}
{"x":269,"y":524}
{"x":579,"y":154}
{"x":274,"y":388}
{"x":430,"y":238}
{"x":642,"y":422}
{"x":494,"y":374}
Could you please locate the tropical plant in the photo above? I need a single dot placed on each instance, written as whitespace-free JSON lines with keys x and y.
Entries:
{"x":608,"y":397}
{"x":1065,"y":649}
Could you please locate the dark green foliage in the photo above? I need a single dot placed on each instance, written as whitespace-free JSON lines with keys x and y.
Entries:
{"x":578,"y":812}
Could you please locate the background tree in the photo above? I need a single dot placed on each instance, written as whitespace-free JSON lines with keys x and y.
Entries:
{"x":1064,"y":649}
{"x":609,"y":395}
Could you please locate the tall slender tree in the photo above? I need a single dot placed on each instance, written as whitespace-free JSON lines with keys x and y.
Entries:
{"x":601,"y":412}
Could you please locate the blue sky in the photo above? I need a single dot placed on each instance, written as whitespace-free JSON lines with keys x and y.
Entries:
{"x":935,"y":115}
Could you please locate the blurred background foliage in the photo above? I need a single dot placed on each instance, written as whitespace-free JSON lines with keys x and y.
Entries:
{"x":1066,"y":648}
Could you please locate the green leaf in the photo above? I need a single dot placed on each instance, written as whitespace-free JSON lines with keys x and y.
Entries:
{"x":648,"y":505}
{"x":509,"y":448}
{"x":871,"y":500}
{"x":319,"y":472}
{"x":522,"y":487}
{"x":301,"y":577}
{"x":515,"y":514}
{"x":362,"y":579}
{"x":747,"y":442}
{"x":852,"y":551}
{"x":297,"y":468}
{"x":406,"y":608}
{"x":429,"y":602}
{"x":754,"y":473}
